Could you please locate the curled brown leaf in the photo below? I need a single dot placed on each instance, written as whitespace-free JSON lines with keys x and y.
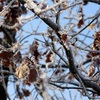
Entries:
{"x":26,"y":92}
{"x":32,"y":77}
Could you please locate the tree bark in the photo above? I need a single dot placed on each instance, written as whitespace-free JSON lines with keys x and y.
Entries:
{"x":3,"y":95}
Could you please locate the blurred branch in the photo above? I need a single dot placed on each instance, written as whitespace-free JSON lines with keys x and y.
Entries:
{"x":67,"y":87}
{"x":8,"y":35}
{"x":3,"y":83}
{"x":93,"y":1}
{"x":6,"y":8}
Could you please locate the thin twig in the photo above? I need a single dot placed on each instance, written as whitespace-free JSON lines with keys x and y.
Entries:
{"x":86,"y":25}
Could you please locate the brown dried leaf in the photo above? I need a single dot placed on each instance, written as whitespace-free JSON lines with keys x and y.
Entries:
{"x":97,"y":34}
{"x":83,"y":92}
{"x":96,"y":61}
{"x":91,"y":26}
{"x":26,"y":92}
{"x":70,"y":76}
{"x":80,"y":17}
{"x":80,"y":23}
{"x":48,"y":59}
{"x":64,"y":37}
{"x":25,"y":82}
{"x":7,"y":63}
{"x":64,"y":4}
{"x":57,"y":71}
{"x":17,"y":57}
{"x":44,"y":6}
{"x":85,"y":2}
{"x":88,"y":55}
{"x":6,"y":57}
{"x":34,"y":50}
{"x":32,"y":77}
{"x":21,"y":71}
{"x":20,"y":95}
{"x":91,"y":71}
{"x":96,"y":43}
{"x":92,"y":54}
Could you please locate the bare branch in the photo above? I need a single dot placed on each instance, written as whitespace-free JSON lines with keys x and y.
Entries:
{"x":93,"y":1}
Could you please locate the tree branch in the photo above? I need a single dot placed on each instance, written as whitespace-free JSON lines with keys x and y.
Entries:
{"x":93,"y":1}
{"x":66,"y":87}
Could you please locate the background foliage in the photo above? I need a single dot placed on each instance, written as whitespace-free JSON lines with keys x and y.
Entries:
{"x":49,"y":49}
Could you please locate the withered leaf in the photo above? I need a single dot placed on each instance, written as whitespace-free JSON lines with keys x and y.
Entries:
{"x":64,"y":37}
{"x":7,"y":63}
{"x":26,"y":92}
{"x":34,"y":50}
{"x":70,"y":76}
{"x":91,"y":26}
{"x":17,"y":57}
{"x":64,"y":4}
{"x":80,"y":23}
{"x":97,"y":34}
{"x":85,"y":2}
{"x":6,"y":57}
{"x":44,"y":5}
{"x":96,"y":43}
{"x":57,"y":71}
{"x":96,"y":61}
{"x":48,"y":59}
{"x":20,"y":95}
{"x":80,"y":17}
{"x":92,"y":54}
{"x":21,"y":71}
{"x":91,"y":71}
{"x":95,"y":46}
{"x":53,"y":38}
{"x":25,"y":82}
{"x":32,"y":77}
{"x":88,"y":55}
